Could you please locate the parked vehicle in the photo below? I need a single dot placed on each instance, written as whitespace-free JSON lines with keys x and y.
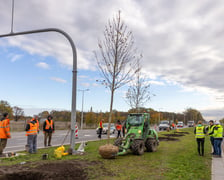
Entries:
{"x":105,"y":128}
{"x":180,"y":124}
{"x":190,"y":123}
{"x":164,"y":125}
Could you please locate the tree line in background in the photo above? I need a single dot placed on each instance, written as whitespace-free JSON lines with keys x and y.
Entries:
{"x":91,"y":117}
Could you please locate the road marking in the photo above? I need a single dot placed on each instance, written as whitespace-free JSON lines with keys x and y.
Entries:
{"x":87,"y":135}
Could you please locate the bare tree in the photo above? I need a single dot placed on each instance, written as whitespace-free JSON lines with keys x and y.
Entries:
{"x":18,"y":113}
{"x":139,"y":91}
{"x":117,"y":57}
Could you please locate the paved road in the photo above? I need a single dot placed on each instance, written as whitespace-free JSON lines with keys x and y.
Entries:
{"x":19,"y":140}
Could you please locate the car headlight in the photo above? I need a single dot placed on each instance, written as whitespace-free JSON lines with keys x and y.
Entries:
{"x":139,"y":131}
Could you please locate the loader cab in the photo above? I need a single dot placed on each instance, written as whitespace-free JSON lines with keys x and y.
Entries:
{"x":138,"y":123}
{"x":138,"y":119}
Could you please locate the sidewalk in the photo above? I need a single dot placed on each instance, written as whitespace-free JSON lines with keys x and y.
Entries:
{"x":218,"y":166}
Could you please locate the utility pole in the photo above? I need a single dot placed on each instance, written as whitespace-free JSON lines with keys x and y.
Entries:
{"x":82,"y":90}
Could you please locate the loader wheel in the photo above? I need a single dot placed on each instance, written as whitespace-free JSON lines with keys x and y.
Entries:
{"x":137,"y":147}
{"x":118,"y":142}
{"x":151,"y":145}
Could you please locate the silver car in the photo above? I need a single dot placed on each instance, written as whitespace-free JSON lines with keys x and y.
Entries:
{"x":105,"y":128}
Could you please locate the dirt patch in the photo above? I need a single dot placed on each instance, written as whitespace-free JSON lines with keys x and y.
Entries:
{"x":168,"y":139}
{"x":72,"y":169}
{"x":181,"y":132}
{"x":174,"y":135}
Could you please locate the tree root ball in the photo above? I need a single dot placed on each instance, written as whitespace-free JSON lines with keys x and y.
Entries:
{"x":108,"y":151}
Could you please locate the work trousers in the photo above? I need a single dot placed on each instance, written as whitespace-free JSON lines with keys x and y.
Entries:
{"x":32,"y":143}
{"x":100,"y":132}
{"x":3,"y":143}
{"x":217,"y":146}
{"x":47,"y":135}
{"x":118,"y":133}
{"x":212,"y":143}
{"x":200,"y":142}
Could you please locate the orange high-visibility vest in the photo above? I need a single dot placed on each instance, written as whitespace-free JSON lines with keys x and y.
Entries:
{"x":37,"y":122}
{"x":49,"y":124}
{"x":4,"y":129}
{"x":118,"y":127}
{"x":32,"y":130}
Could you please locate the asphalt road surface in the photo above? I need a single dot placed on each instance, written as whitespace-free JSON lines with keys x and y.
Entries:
{"x":19,"y":140}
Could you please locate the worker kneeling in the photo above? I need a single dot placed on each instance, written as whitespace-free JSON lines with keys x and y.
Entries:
{"x":31,"y":133}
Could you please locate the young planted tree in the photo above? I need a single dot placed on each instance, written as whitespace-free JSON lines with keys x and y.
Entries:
{"x":139,"y":91}
{"x":117,"y":57}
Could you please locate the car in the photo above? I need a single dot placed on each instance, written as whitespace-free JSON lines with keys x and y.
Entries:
{"x":105,"y":128}
{"x":164,"y":125}
{"x":180,"y":124}
{"x":190,"y":123}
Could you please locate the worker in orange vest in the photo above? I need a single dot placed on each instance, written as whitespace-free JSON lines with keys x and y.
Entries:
{"x":48,"y":129}
{"x":118,"y":127}
{"x":100,"y":127}
{"x":4,"y":132}
{"x":31,"y":133}
{"x":35,"y":119}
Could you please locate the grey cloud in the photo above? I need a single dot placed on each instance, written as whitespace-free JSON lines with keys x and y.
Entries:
{"x":180,"y":40}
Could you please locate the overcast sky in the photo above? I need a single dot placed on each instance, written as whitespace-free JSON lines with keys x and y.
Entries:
{"x":181,"y":42}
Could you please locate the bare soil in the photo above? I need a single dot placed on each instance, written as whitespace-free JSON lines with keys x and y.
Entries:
{"x":168,"y":139}
{"x":174,"y":135}
{"x":57,"y":170}
{"x":181,"y":132}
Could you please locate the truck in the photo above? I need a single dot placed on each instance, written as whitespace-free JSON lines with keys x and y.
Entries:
{"x":139,"y":136}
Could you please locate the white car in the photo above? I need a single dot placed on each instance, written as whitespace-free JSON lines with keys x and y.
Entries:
{"x":164,"y":125}
{"x":105,"y":128}
{"x":180,"y":124}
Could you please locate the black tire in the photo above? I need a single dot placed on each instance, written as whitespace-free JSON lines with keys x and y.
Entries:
{"x":151,"y":145}
{"x":118,"y":142}
{"x":138,"y":147}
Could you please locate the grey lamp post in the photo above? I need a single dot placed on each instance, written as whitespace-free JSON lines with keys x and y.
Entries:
{"x":83,"y":91}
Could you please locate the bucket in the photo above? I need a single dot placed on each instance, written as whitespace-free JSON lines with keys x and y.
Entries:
{"x":44,"y":156}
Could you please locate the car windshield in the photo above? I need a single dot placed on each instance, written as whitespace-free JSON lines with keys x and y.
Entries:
{"x":105,"y":125}
{"x":179,"y":123}
{"x":164,"y":122}
{"x":135,"y":120}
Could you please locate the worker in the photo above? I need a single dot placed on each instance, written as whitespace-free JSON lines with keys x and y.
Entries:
{"x":31,"y":133}
{"x":35,"y":119}
{"x":200,"y":137}
{"x":4,"y":132}
{"x":100,"y":127}
{"x":218,"y":136}
{"x":118,"y":127}
{"x":209,"y":130}
{"x":173,"y":126}
{"x":48,"y":129}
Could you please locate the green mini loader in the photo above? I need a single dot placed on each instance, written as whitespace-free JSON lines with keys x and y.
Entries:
{"x":138,"y":136}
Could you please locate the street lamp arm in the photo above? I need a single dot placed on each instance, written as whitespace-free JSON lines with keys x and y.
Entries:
{"x":74,"y":72}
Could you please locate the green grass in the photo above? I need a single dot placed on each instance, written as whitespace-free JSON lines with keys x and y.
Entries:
{"x":173,"y":160}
